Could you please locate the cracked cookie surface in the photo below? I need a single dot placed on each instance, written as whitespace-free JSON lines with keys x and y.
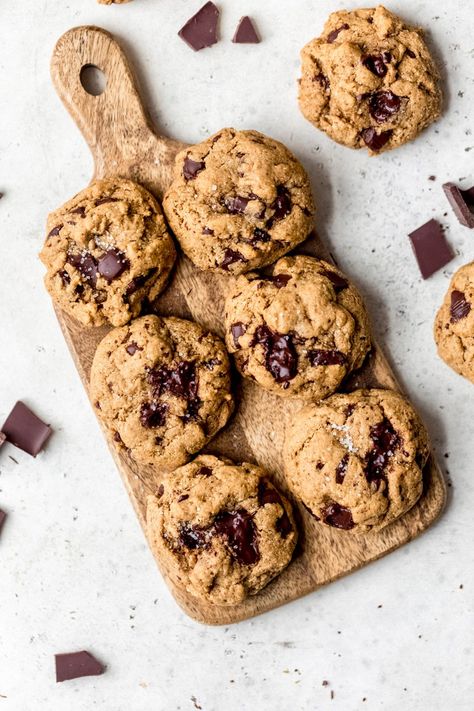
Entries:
{"x":238,"y":201}
{"x":221,"y":530}
{"x":356,"y":460}
{"x":454,"y":324}
{"x":299,"y":332}
{"x":369,"y":80}
{"x":106,"y":250}
{"x":162,"y":388}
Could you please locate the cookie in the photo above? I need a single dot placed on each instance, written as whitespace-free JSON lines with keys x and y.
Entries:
{"x":106,"y":250}
{"x":221,"y":530}
{"x":454,"y":324}
{"x":356,"y":460}
{"x":161,"y":386}
{"x":238,"y":201}
{"x":299,"y":332}
{"x":369,"y":80}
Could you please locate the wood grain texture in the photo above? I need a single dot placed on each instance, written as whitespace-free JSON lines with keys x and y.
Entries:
{"x":124,"y":143}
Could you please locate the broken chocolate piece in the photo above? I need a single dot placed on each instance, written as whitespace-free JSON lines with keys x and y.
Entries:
{"x":281,"y":358}
{"x":280,"y":280}
{"x":282,"y":204}
{"x":236,"y":205}
{"x":55,"y":231}
{"x":241,"y":534}
{"x":230,"y":257}
{"x":321,"y":357}
{"x":462,"y":203}
{"x":373,"y":140}
{"x":77,"y":664}
{"x":200,"y":30}
{"x":431,"y":250}
{"x":237,"y":329}
{"x":386,"y":442}
{"x":25,"y":430}
{"x":334,"y":34}
{"x":85,"y":264}
{"x":246,"y":32}
{"x":383,"y":105}
{"x":191,"y":168}
{"x":341,"y":469}
{"x":112,"y":264}
{"x":459,"y":308}
{"x":338,"y":516}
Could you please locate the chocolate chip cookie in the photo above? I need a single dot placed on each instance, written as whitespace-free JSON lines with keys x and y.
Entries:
{"x":238,"y":201}
{"x":356,"y":460}
{"x":161,"y":386}
{"x":298,"y":332}
{"x":106,"y":250}
{"x":454,"y":324}
{"x":221,"y":530}
{"x":369,"y":80}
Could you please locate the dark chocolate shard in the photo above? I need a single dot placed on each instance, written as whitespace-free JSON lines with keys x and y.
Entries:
{"x":338,"y":516}
{"x":431,"y":250}
{"x":192,"y":167}
{"x":246,"y":32}
{"x":77,"y":664}
{"x":373,"y":140}
{"x":334,"y":34}
{"x":181,"y":381}
{"x":459,"y":308}
{"x":112,"y":264}
{"x":25,"y":430}
{"x":200,"y":30}
{"x":319,"y":356}
{"x":241,"y":534}
{"x":462,"y":203}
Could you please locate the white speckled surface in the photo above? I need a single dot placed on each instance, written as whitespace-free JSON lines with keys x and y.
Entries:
{"x":75,"y":571}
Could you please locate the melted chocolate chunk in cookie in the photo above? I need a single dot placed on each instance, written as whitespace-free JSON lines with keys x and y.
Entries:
{"x":241,"y":534}
{"x":377,"y":63}
{"x":153,"y":414}
{"x":342,"y":469}
{"x":383,"y":105}
{"x":332,"y":36}
{"x":180,"y":381}
{"x":191,"y":168}
{"x":281,"y":358}
{"x":321,"y":357}
{"x":230,"y":257}
{"x":386,"y":441}
{"x":267,"y":495}
{"x":338,"y":516}
{"x":373,"y":140}
{"x":85,"y":264}
{"x":237,"y":329}
{"x":192,"y":537}
{"x":112,"y":264}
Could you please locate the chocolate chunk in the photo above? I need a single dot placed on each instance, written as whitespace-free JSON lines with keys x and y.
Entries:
{"x":236,"y":205}
{"x":200,"y":30}
{"x":85,"y":264}
{"x":192,"y":537}
{"x":386,"y":442}
{"x":180,"y":381}
{"x":410,"y":53}
{"x":338,"y":516}
{"x":281,"y":358}
{"x":66,"y":279}
{"x":459,"y":308}
{"x":112,"y":264}
{"x":77,"y":664}
{"x":246,"y":32}
{"x":191,"y":168}
{"x":377,"y":63}
{"x":153,"y":414}
{"x":183,"y":497}
{"x":322,"y":80}
{"x":2,"y":519}
{"x":137,"y":282}
{"x":375,"y":141}
{"x":55,"y":231}
{"x":334,"y":34}
{"x":205,"y":471}
{"x":321,"y":357}
{"x":104,"y":200}
{"x":338,"y":282}
{"x":81,"y":210}
{"x":117,"y":438}
{"x":462,"y":203}
{"x":132,"y":348}
{"x":237,"y":329}
{"x":282,"y":204}
{"x":259,"y":236}
{"x":431,"y":250}
{"x":241,"y":534}
{"x":383,"y":105}
{"x":207,"y":231}
{"x":230,"y":257}
{"x":25,"y":430}
{"x":280,"y":280}
{"x":267,"y":495}
{"x":341,"y":469}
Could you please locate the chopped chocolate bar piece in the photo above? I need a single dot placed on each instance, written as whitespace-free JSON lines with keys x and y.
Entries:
{"x":26,"y":431}
{"x":431,"y":250}
{"x":200,"y":30}
{"x":77,"y":664}
{"x":246,"y":32}
{"x":2,"y":518}
{"x":462,"y":202}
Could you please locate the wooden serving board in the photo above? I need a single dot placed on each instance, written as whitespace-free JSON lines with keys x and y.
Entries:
{"x":124,"y":143}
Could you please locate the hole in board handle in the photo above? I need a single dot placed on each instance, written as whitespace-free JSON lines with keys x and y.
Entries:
{"x":93,"y":79}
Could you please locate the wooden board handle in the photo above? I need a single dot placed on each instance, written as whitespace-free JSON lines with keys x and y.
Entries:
{"x":114,"y":122}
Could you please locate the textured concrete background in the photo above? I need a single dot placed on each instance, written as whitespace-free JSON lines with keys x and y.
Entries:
{"x":75,"y":571}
